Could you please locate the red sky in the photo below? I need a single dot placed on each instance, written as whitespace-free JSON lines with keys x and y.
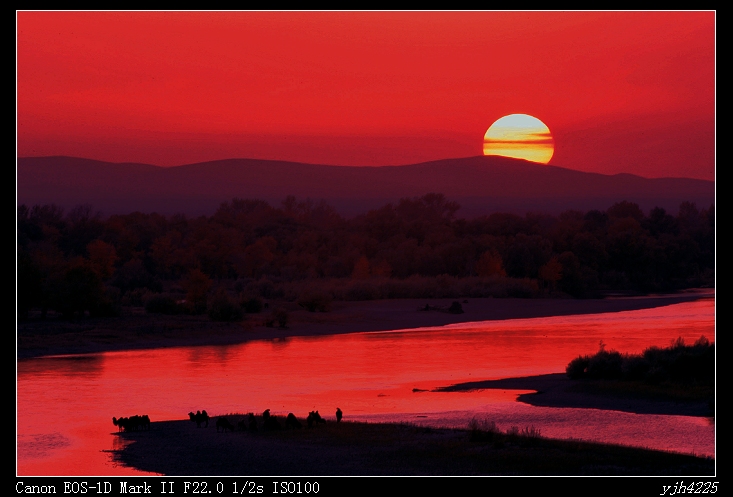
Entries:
{"x":620,"y":91}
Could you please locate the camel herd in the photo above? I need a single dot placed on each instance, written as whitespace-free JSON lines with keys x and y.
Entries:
{"x":270,"y":422}
{"x":133,"y":423}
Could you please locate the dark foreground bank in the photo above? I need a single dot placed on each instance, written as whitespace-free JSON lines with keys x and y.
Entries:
{"x":180,"y":448}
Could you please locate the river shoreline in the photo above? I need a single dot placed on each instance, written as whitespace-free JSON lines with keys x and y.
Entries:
{"x":557,"y":390}
{"x":137,"y":330}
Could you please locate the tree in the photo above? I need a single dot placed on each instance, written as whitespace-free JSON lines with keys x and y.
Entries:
{"x":197,"y":286}
{"x":625,"y":209}
{"x":79,"y":289}
{"x":551,"y":272}
{"x":102,"y":256}
{"x":361,"y":269}
{"x":30,"y":281}
{"x":490,"y":264}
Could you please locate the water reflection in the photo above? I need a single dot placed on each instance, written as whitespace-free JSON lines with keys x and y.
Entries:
{"x":38,"y":445}
{"x":70,"y":366}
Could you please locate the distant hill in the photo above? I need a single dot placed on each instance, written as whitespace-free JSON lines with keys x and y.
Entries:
{"x":482,"y":185}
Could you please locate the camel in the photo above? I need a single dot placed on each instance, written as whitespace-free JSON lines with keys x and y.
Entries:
{"x":201,"y":417}
{"x":224,"y":424}
{"x":292,"y":422}
{"x":121,"y":423}
{"x":272,"y":424}
{"x":339,"y":414}
{"x":145,"y":422}
{"x":269,"y":422}
{"x":205,"y":418}
{"x":314,"y":417}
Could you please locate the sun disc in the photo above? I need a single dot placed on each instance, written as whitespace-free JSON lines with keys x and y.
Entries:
{"x":520,"y":136}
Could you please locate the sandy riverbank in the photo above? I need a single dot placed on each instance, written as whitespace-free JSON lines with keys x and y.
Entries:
{"x":136,"y":329}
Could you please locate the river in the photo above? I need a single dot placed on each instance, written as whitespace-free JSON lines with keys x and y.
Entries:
{"x":65,"y":404}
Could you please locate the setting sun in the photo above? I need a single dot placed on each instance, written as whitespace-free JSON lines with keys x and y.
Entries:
{"x":520,"y":136}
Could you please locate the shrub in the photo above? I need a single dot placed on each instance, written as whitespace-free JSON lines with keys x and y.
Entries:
{"x":483,"y":430}
{"x":578,"y":367}
{"x":487,"y":431}
{"x":197,"y":285}
{"x":76,"y":290}
{"x":315,"y":301}
{"x":279,"y":316}
{"x":266,"y":289}
{"x":456,"y":308}
{"x":251,"y":305}
{"x":530,"y":432}
{"x":634,"y":368}
{"x":606,"y":365}
{"x":223,"y":308}
{"x":108,"y":304}
{"x":162,"y":304}
{"x":362,"y":290}
{"x":106,"y":309}
{"x":137,"y":297}
{"x":529,"y":436}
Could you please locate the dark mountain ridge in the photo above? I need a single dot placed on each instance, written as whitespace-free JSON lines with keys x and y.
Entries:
{"x":481,"y":185}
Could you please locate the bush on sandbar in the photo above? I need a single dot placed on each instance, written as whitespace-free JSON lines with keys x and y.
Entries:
{"x":677,"y":363}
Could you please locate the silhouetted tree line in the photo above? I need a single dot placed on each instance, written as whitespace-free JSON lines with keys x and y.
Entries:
{"x":225,"y":264}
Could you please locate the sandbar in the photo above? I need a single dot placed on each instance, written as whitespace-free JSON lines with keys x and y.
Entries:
{"x":557,"y":390}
